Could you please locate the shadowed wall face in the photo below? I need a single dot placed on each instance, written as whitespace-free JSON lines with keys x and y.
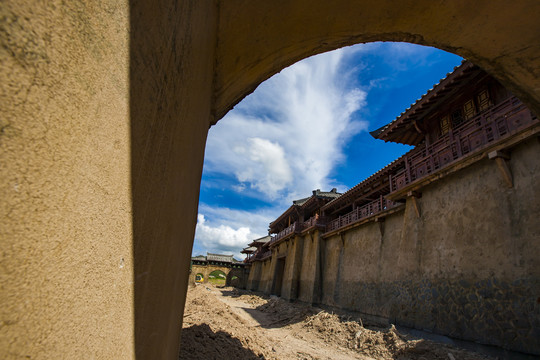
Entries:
{"x":171,"y":74}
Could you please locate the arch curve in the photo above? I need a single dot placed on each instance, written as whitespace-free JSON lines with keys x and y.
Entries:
{"x":256,"y":40}
{"x":236,"y":277}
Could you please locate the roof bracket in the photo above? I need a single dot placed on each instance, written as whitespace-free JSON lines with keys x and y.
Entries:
{"x":413,"y":195}
{"x":502,"y":158}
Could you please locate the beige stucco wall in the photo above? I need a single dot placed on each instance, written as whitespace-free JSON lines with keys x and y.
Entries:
{"x":468,"y":267}
{"x":65,"y":190}
{"x":259,"y":38}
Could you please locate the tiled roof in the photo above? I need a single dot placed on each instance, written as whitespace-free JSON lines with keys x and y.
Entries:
{"x":392,"y":131}
{"x":355,"y":189}
{"x":317,"y":194}
{"x":262,"y":240}
{"x":219,"y":257}
{"x":249,"y":250}
{"x":199,"y":258}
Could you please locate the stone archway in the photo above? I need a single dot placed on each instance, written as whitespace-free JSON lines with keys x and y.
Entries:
{"x":106,"y":110}
{"x":259,"y":40}
{"x":237,"y":277}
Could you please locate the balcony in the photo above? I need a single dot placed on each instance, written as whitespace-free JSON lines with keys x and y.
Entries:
{"x":264,"y":255}
{"x":313,"y":221}
{"x":361,"y":213}
{"x":487,"y":128}
{"x":293,"y":228}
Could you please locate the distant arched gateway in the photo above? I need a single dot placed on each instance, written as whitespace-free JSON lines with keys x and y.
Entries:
{"x":226,"y":264}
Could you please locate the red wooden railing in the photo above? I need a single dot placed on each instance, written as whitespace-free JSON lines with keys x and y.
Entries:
{"x":313,"y":221}
{"x":360,"y":213}
{"x":263,"y":255}
{"x":496,"y":123}
{"x":285,"y":232}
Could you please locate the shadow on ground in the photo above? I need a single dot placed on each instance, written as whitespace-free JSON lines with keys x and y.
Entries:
{"x":200,"y":342}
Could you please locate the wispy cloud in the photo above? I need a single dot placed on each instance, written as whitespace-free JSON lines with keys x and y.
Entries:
{"x":273,"y":141}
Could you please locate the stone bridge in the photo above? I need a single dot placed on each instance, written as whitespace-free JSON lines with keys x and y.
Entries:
{"x":236,"y":272}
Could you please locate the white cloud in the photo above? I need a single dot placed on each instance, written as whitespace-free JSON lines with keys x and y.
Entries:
{"x":269,"y":171}
{"x":222,"y":238}
{"x":227,"y":231}
{"x":284,"y":139}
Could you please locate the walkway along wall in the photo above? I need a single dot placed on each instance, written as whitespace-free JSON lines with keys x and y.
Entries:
{"x":467,"y":267}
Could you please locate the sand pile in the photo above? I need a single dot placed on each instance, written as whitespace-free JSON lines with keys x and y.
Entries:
{"x":234,"y":324}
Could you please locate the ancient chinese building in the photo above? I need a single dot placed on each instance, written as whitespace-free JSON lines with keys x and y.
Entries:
{"x":445,"y":238}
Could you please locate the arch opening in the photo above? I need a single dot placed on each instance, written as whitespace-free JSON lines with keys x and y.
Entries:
{"x":217,"y":277}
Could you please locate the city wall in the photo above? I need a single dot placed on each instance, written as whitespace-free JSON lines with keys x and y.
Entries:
{"x":468,"y":266}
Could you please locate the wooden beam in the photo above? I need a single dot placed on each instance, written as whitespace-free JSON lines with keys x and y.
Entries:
{"x":501,"y":159}
{"x":413,"y":195}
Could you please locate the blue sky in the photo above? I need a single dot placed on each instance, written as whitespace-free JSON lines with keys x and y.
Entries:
{"x":307,"y":128}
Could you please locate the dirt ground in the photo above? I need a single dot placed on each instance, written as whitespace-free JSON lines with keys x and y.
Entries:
{"x":227,"y":323}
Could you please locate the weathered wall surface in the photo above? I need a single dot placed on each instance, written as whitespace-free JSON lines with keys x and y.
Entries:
{"x":65,"y":189}
{"x":254,"y":277}
{"x":293,"y":265}
{"x":266,"y":276}
{"x":309,"y":263}
{"x":468,"y":267}
{"x":172,"y":47}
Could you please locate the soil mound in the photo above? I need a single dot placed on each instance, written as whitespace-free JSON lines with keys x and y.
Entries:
{"x":226,"y":323}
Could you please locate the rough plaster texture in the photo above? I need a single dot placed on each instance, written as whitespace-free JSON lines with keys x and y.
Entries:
{"x":171,"y":72}
{"x":66,"y":210}
{"x":105,"y":109}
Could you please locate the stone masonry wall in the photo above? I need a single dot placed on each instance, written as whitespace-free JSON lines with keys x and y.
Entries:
{"x":468,"y":267}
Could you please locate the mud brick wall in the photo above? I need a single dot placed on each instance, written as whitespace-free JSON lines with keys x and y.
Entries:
{"x":468,"y":267}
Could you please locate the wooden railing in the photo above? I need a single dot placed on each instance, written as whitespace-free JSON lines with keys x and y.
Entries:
{"x":313,"y":221}
{"x":494,"y":124}
{"x":294,"y":227}
{"x":263,"y":255}
{"x":361,"y":213}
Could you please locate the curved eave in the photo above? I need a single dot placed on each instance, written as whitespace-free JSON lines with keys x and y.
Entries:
{"x":402,"y":129}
